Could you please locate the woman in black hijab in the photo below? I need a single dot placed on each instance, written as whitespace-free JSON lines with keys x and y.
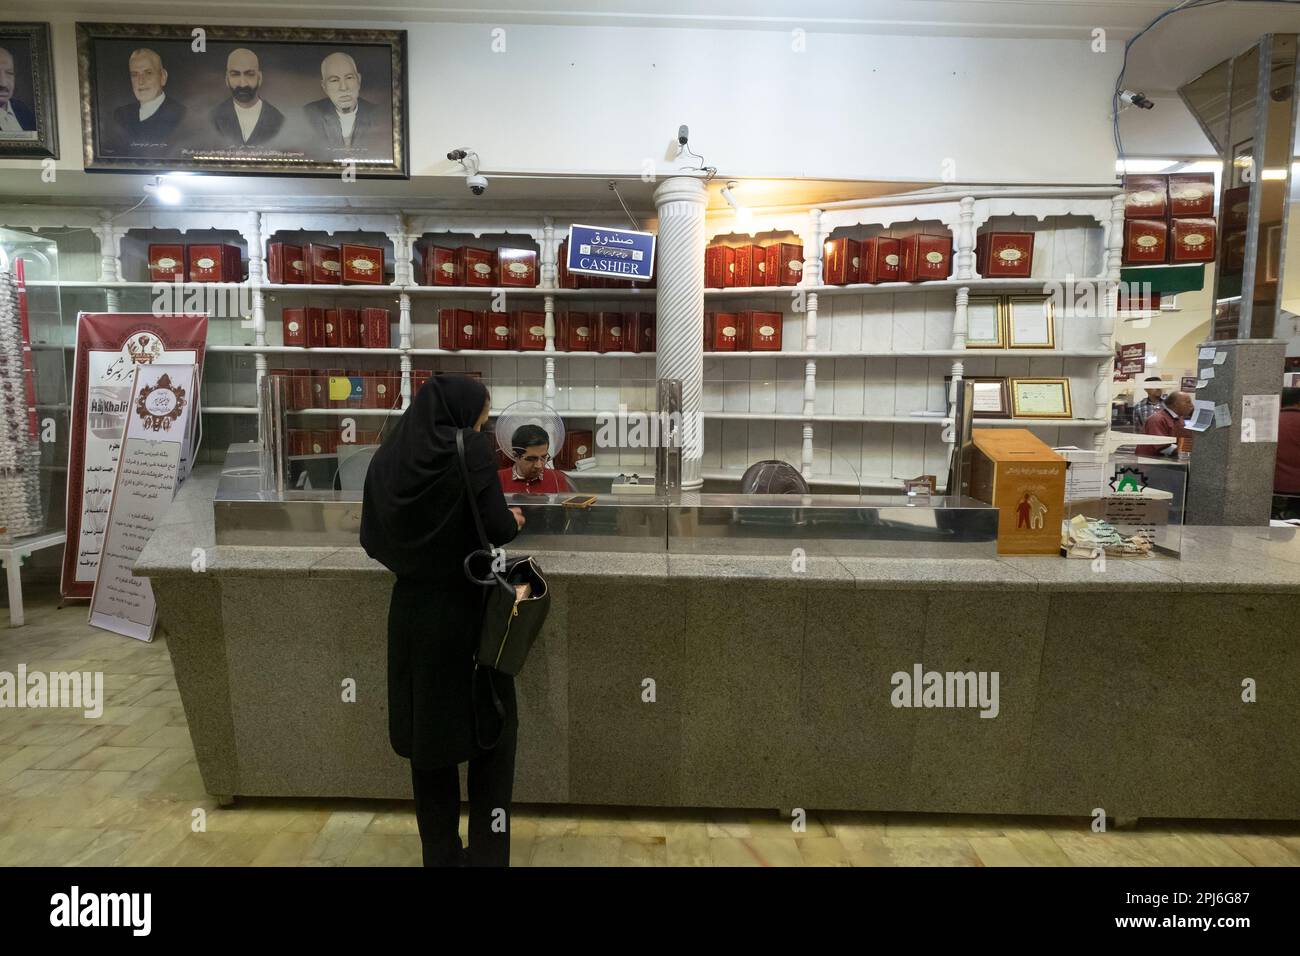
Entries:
{"x":415,"y":520}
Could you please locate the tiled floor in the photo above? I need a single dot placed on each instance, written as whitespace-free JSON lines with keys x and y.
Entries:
{"x":123,"y":790}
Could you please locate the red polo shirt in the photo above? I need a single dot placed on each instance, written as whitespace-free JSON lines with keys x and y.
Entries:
{"x":1165,"y":424}
{"x":1286,"y":474}
{"x":550,"y":482}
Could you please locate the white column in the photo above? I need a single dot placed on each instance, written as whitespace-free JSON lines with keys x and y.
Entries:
{"x":679,"y":306}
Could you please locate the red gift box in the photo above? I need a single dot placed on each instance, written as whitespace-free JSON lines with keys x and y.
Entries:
{"x":301,"y":383}
{"x":418,"y":377}
{"x":745,"y":272}
{"x":440,"y":267}
{"x":530,"y":330}
{"x":285,"y":264}
{"x":213,"y":262}
{"x":449,"y":324}
{"x":577,"y":447}
{"x":1236,"y":208}
{"x":333,"y":332}
{"x":840,"y":263}
{"x":575,"y":332}
{"x":1005,"y":255}
{"x":299,"y":439}
{"x":323,"y":441}
{"x":925,"y":257}
{"x":761,"y":331}
{"x":315,"y":328}
{"x":1146,"y":197}
{"x":166,"y":263}
{"x":880,"y":260}
{"x":645,"y":328}
{"x":1191,"y":195}
{"x":362,"y":265}
{"x":350,"y":328}
{"x":610,"y":333}
{"x":318,"y":394}
{"x":374,"y":328}
{"x":294,"y":322}
{"x":1146,"y":241}
{"x":719,"y":263}
{"x":476,"y":266}
{"x":784,"y":264}
{"x":564,"y":279}
{"x":323,"y":267}
{"x":1191,"y":240}
{"x":498,"y":332}
{"x":380,"y":390}
{"x":517,"y":267}
{"x":723,"y":331}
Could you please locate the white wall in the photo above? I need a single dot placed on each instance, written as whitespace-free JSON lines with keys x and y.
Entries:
{"x":602,"y":100}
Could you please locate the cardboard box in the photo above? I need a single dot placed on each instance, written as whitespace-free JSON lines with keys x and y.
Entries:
{"x":477,"y":267}
{"x":440,"y":267}
{"x":166,"y":263}
{"x":1005,"y":255}
{"x":323,"y":266}
{"x":517,"y":267}
{"x":925,"y":258}
{"x":840,"y":261}
{"x":1018,"y":474}
{"x":362,"y":265}
{"x":1146,"y":241}
{"x":285,"y":264}
{"x":530,"y":330}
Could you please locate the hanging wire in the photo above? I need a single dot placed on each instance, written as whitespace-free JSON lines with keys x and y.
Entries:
{"x":631,"y":218}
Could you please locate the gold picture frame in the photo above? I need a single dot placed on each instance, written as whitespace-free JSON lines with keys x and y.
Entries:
{"x":976,"y":311}
{"x":1045,"y":398}
{"x":1037,"y":314}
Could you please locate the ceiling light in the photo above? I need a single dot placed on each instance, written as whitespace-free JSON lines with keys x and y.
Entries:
{"x":164,"y":192}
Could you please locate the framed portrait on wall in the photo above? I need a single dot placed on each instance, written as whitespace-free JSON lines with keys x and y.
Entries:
{"x":259,"y":100}
{"x":28,"y":127}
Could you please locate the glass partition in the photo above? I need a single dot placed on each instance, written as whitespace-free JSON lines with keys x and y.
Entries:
{"x":1124,"y":506}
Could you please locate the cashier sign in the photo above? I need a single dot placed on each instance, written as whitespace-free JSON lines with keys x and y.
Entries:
{"x":617,"y":253}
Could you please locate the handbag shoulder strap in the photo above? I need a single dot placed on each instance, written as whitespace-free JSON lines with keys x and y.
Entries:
{"x":469,"y":491}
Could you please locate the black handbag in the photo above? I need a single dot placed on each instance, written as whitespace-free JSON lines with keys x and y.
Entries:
{"x":511,"y":624}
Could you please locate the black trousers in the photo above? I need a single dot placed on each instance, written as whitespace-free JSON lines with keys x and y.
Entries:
{"x":491,"y":786}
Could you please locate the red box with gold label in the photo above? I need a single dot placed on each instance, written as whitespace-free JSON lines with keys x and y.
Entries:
{"x":166,"y":263}
{"x":319,"y":389}
{"x":610,"y":333}
{"x":440,"y":267}
{"x":1146,"y":241}
{"x":762,"y":331}
{"x":301,"y":383}
{"x":214,"y":262}
{"x":294,"y":323}
{"x":880,"y":260}
{"x":784,"y":264}
{"x":1191,"y":240}
{"x":498,"y":333}
{"x":476,"y":266}
{"x":1191,"y":195}
{"x":285,"y":264}
{"x":1236,"y":208}
{"x":299,"y":439}
{"x":378,"y":389}
{"x":840,"y":261}
{"x":743,"y":272}
{"x":1005,"y":255}
{"x":323,"y":266}
{"x":418,"y":377}
{"x":517,"y":267}
{"x":1146,"y":197}
{"x":564,"y":279}
{"x":574,"y":333}
{"x":315,"y":328}
{"x":719,"y":261}
{"x":350,"y":328}
{"x":723,"y":331}
{"x":362,"y":265}
{"x":577,"y":447}
{"x":285,"y":377}
{"x":374,"y":328}
{"x":450,"y":323}
{"x":925,"y":257}
{"x":323,"y":441}
{"x":333,"y":331}
{"x":530,"y":330}
{"x":636,"y":327}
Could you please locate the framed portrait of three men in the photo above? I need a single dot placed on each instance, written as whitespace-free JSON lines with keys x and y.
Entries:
{"x":263,"y":100}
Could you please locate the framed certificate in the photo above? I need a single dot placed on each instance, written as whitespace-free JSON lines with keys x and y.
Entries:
{"x":986,"y":326}
{"x":1040,"y":398}
{"x":1031,"y":322}
{"x":990,"y":399}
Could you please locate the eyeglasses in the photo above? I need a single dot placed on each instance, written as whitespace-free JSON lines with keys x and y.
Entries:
{"x":534,"y":459}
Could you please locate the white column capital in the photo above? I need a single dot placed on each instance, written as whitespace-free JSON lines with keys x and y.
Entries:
{"x":681,"y":189}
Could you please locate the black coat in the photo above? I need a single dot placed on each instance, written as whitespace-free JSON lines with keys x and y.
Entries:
{"x":157,"y":132}
{"x":226,"y":123}
{"x":416,"y":521}
{"x":324,"y":120}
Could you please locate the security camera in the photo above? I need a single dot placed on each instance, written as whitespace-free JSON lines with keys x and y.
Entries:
{"x":683,"y":135}
{"x":1129,"y":98}
{"x":477,"y":184}
{"x":457,"y":154}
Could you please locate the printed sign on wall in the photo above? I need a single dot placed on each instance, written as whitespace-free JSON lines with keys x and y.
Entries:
{"x":615,"y":253}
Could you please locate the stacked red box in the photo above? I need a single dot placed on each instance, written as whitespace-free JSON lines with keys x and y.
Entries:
{"x":1005,"y":255}
{"x":440,"y":267}
{"x":784,"y":264}
{"x":1191,"y":195}
{"x":610,"y":332}
{"x":350,"y":328}
{"x":517,"y":267}
{"x":1146,"y":241}
{"x":719,"y":266}
{"x":574,"y":332}
{"x":166,"y":262}
{"x":840,"y":261}
{"x":1146,"y":197}
{"x":530,"y":330}
{"x":333,"y":331}
{"x":498,"y":332}
{"x":477,"y":267}
{"x":285,"y":264}
{"x":760,"y":331}
{"x":315,"y":328}
{"x":721,"y":331}
{"x":880,"y":260}
{"x":459,"y":329}
{"x":1191,"y":240}
{"x":294,"y":323}
{"x":362,"y":265}
{"x":323,"y":266}
{"x":213,"y":262}
{"x":375,"y":328}
{"x":925,"y":258}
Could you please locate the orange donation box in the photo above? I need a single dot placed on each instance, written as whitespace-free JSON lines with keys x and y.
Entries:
{"x":1025,"y":480}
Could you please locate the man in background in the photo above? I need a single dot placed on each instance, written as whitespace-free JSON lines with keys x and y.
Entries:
{"x":152,"y":119}
{"x":245,"y":119}
{"x":1167,"y":422}
{"x":15,"y":115}
{"x":342,"y":119}
{"x":529,"y":474}
{"x":1286,"y":472}
{"x":1144,"y":409}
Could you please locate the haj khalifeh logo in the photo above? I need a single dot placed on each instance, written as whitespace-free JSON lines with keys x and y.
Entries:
{"x":1132,"y":480}
{"x":160,"y":404}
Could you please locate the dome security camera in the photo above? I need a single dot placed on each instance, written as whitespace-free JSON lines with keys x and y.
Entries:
{"x":477,"y":184}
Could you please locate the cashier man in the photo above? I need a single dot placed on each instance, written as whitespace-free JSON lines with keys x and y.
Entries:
{"x":1168,"y":423}
{"x":529,"y":474}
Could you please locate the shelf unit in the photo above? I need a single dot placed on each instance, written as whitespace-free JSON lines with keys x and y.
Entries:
{"x":860,"y":356}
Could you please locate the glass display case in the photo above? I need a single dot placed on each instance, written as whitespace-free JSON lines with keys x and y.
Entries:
{"x":1124,"y":506}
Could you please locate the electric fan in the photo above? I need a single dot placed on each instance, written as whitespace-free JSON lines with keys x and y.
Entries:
{"x":526,"y":412}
